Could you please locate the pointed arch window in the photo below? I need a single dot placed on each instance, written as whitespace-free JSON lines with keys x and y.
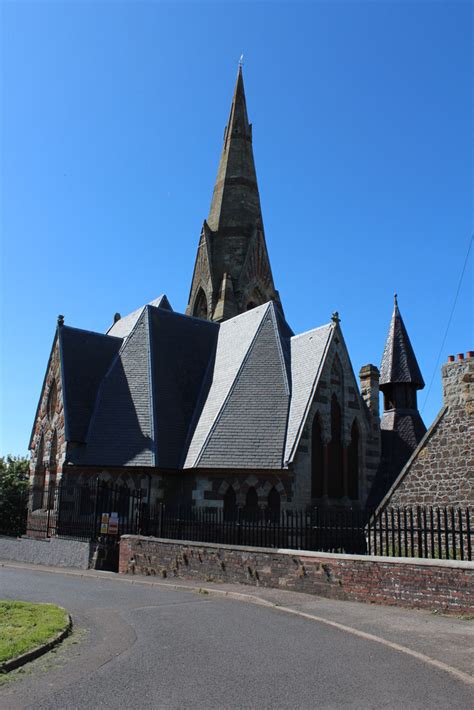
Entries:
{"x":274,"y":505}
{"x":200,"y":305}
{"x":49,"y":494}
{"x":230,"y":505}
{"x":335,"y":462}
{"x":317,"y":459}
{"x":353,"y":464}
{"x":251,"y":504}
{"x":39,"y":476}
{"x":52,"y":400}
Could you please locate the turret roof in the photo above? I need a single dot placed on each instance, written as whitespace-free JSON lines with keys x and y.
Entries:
{"x":398,"y":361}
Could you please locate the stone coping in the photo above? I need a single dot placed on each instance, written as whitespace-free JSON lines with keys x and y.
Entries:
{"x":416,"y":561}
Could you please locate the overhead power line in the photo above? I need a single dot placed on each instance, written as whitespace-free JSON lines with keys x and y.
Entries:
{"x":449,"y":321}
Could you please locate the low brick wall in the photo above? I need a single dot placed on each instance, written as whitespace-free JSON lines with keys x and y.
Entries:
{"x":427,"y":584}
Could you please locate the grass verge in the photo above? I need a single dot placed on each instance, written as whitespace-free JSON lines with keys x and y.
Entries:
{"x":24,"y":626}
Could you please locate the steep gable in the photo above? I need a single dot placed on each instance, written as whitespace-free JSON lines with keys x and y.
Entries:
{"x":85,"y":359}
{"x":233,"y":343}
{"x":250,"y":430}
{"x":308,"y":353}
{"x":181,"y":349}
{"x":121,"y":429}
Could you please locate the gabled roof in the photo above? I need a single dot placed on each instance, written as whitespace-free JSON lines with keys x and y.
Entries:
{"x":243,"y":424}
{"x":184,"y":392}
{"x":181,"y":350}
{"x":149,"y":395}
{"x":124,"y":326}
{"x":85,"y":359}
{"x":233,"y":343}
{"x":121,"y":428}
{"x":308,"y":354}
{"x":398,"y":361}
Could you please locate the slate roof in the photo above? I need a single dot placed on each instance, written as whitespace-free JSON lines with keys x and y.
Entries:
{"x":398,"y":361}
{"x":85,"y":359}
{"x":308,"y":352}
{"x":181,"y":392}
{"x":401,"y":432}
{"x":123,"y":327}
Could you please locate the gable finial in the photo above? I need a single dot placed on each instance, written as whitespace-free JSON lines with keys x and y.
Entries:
{"x":60,"y":321}
{"x":335,"y":317}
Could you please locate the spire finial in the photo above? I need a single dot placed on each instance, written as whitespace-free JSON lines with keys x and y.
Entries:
{"x":395,"y":299}
{"x":241,"y":61}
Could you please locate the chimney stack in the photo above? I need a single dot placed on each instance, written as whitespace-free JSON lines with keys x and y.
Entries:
{"x":458,"y":381}
{"x":369,"y":387}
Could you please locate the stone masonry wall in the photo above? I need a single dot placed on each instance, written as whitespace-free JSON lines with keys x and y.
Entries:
{"x":344,"y":385}
{"x":426,"y":584}
{"x":441,"y":472}
{"x":45,"y":426}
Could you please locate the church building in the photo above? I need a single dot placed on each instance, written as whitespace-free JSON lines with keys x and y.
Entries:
{"x":224,"y":405}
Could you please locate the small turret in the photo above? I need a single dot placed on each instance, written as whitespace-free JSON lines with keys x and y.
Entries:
{"x":402,"y":427}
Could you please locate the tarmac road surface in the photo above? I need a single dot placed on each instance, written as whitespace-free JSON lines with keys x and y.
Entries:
{"x":139,"y":646}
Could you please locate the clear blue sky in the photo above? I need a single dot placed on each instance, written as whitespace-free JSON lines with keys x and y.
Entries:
{"x":112,"y":121}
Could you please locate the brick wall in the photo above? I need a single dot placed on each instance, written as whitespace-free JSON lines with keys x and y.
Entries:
{"x":426,"y":584}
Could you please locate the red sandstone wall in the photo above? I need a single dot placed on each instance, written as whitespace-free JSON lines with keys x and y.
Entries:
{"x":445,"y":586}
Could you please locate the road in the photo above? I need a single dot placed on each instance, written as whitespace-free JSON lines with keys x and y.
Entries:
{"x":139,"y":646}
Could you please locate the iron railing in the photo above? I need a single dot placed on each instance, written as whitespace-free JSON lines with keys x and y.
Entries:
{"x":83,"y":512}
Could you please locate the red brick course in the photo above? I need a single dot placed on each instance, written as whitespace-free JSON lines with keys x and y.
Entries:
{"x":425,"y":584}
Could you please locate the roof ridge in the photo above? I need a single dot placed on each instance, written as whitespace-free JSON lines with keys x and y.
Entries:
{"x":233,"y":385}
{"x":311,"y":395}
{"x":312,"y":330}
{"x":151,"y":384}
{"x":92,"y":332}
{"x":280,"y":349}
{"x":109,"y":370}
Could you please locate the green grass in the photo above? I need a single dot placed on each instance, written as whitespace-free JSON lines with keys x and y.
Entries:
{"x":23,"y":626}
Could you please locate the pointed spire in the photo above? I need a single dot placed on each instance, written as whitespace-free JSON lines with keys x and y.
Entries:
{"x":398,"y":361}
{"x":235,"y":200}
{"x":232,"y":264}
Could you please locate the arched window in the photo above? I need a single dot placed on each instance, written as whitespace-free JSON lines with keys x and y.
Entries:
{"x":38,"y":480}
{"x":274,"y":505}
{"x":353,"y":464}
{"x":230,"y":505}
{"x":335,"y":473}
{"x":200,"y":305}
{"x":317,"y":459}
{"x":53,"y":452}
{"x":52,"y":400}
{"x":53,"y":466}
{"x":251,"y":504}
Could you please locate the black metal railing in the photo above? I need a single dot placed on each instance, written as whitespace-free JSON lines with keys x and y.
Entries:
{"x":432,"y":532}
{"x":104,"y":511}
{"x":317,"y":529}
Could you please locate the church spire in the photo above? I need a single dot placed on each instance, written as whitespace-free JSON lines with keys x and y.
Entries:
{"x":232,"y":261}
{"x":235,"y":200}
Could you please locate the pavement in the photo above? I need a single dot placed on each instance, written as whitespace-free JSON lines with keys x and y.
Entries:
{"x":177,"y":644}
